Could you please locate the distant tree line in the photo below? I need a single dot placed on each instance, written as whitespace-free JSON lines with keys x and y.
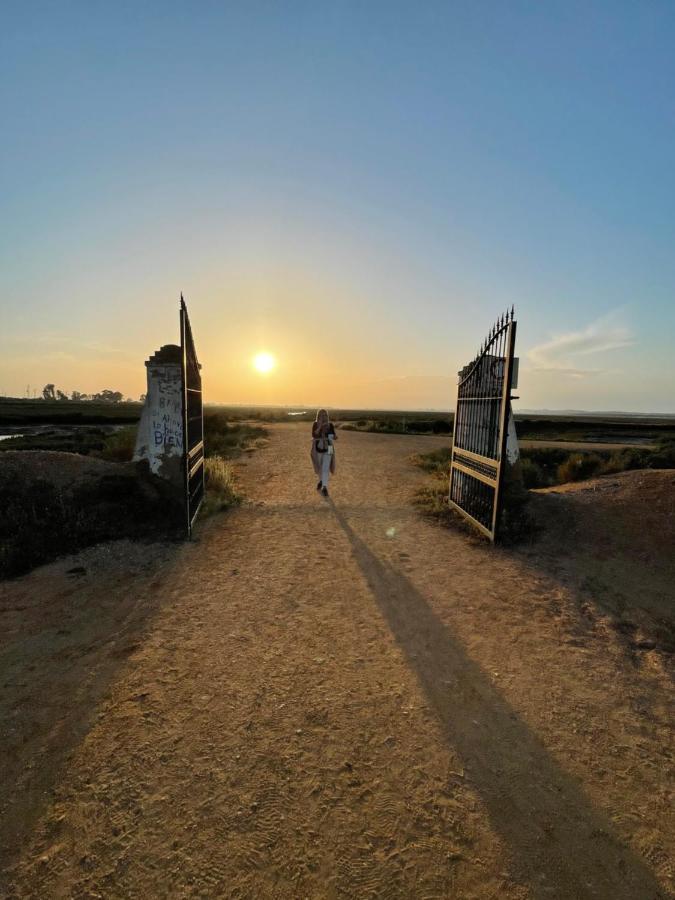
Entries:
{"x":51,"y":392}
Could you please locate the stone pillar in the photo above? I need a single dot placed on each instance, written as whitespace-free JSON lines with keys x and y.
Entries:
{"x":512,"y":447}
{"x":160,"y":430}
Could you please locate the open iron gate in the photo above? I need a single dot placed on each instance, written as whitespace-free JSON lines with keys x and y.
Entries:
{"x":480,"y":429}
{"x":193,"y":420}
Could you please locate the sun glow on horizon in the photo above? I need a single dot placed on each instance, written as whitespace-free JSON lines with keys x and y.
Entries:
{"x":264,"y":363}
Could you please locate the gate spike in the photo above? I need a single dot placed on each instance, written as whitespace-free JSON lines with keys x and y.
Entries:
{"x":512,"y":311}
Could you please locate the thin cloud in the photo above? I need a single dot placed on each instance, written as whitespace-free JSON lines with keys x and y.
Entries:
{"x":559,"y":355}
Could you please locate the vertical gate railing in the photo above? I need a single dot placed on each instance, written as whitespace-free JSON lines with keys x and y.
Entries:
{"x":193,"y":420}
{"x":480,"y":429}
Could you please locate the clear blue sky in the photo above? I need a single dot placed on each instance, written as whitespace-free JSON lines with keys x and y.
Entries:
{"x":358,"y":188}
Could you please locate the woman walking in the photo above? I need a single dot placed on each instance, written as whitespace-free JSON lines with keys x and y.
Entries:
{"x":323,"y":451}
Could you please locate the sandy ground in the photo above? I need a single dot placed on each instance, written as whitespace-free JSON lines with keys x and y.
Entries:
{"x":328,"y":699}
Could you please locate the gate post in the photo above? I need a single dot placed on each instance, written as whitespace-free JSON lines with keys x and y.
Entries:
{"x":159,"y":439}
{"x":504,"y":426}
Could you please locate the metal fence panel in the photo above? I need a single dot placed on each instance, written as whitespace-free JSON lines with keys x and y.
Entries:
{"x":479,"y":438}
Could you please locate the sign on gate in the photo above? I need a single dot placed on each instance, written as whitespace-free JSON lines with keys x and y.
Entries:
{"x":193,"y":420}
{"x":480,"y":430}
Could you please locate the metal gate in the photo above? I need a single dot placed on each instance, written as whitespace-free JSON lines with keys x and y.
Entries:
{"x":480,"y":429}
{"x":193,"y":420}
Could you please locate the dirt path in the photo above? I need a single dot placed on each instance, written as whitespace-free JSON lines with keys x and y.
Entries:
{"x":327,"y":699}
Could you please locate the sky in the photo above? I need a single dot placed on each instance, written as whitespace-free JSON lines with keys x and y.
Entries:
{"x":359,"y":189}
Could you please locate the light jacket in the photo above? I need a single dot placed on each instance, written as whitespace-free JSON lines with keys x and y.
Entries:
{"x":316,"y":456}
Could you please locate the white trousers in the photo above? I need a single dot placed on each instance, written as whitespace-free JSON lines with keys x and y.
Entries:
{"x":325,"y":468}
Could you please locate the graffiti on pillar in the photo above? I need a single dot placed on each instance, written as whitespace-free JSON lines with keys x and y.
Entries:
{"x":160,"y":431}
{"x":167,"y":424}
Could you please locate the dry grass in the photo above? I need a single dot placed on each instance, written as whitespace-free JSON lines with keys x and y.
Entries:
{"x":221,"y":486}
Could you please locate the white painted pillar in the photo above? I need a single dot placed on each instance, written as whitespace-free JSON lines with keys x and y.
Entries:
{"x":513,"y":475}
{"x":160,"y":431}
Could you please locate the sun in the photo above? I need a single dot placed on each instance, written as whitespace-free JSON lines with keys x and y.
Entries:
{"x":264,"y":363}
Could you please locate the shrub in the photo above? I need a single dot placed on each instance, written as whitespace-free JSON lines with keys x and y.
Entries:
{"x":579,"y":466}
{"x":533,"y":474}
{"x":119,"y":446}
{"x":41,"y":519}
{"x":226,"y":440}
{"x":664,"y":456}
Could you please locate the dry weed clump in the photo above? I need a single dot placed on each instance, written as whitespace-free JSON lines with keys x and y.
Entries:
{"x":221,"y":487}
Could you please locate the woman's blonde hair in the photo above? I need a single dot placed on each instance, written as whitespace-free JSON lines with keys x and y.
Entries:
{"x":320,"y":413}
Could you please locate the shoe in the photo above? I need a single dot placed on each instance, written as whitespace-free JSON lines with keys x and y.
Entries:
{"x":324,"y":491}
{"x":319,"y":486}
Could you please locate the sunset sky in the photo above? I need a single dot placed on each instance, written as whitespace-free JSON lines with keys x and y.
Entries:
{"x":358,"y":189}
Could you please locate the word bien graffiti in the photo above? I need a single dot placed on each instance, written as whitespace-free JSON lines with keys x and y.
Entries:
{"x":167,"y":425}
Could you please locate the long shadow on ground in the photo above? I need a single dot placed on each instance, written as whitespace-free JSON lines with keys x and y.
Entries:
{"x":56,"y":674}
{"x":559,"y":842}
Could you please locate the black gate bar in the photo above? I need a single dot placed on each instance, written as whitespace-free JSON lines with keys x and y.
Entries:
{"x":193,"y":421}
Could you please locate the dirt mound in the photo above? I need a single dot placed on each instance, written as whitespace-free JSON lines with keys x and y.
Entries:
{"x":53,"y":503}
{"x":613,"y":537}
